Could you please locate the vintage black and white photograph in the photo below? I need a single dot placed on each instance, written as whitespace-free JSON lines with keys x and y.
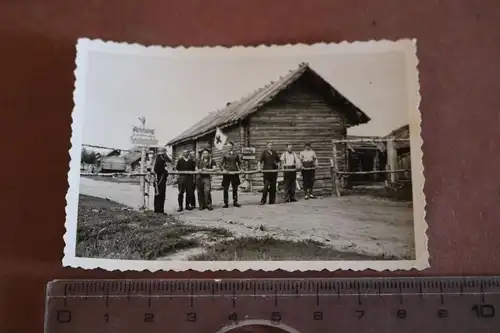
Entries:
{"x":296,"y":157}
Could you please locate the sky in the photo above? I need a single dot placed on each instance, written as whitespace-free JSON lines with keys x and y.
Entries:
{"x":173,"y":92}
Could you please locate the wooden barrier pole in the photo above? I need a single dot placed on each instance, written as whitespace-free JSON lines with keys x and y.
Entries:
{"x":247,"y":172}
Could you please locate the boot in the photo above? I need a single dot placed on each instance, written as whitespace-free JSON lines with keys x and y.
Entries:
{"x":179,"y":201}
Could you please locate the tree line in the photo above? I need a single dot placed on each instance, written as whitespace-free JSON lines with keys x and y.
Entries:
{"x":89,"y":156}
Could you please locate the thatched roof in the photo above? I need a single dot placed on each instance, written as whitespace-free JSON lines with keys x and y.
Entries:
{"x":239,"y":110}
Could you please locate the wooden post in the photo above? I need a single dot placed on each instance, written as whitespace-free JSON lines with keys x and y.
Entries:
{"x":143,"y":179}
{"x":332,"y":174}
{"x":244,"y":142}
{"x":392,"y":160}
{"x":335,"y":171}
{"x":376,"y":160}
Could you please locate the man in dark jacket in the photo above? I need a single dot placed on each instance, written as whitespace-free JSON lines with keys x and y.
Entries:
{"x":192,"y":199}
{"x":160,"y":181}
{"x":184,"y":181}
{"x":231,"y":162}
{"x":269,"y":160}
{"x":205,"y":181}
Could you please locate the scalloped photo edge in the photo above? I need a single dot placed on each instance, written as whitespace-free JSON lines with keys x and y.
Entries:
{"x":85,"y":46}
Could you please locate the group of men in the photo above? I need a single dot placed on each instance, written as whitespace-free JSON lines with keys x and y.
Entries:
{"x":202,"y":182}
{"x":195,"y":180}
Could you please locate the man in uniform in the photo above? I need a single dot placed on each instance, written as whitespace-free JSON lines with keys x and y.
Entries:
{"x":205,"y":181}
{"x":192,"y":199}
{"x":269,"y":160}
{"x":231,"y":162}
{"x":184,"y":181}
{"x":309,"y":163}
{"x":290,"y":160}
{"x":160,"y":180}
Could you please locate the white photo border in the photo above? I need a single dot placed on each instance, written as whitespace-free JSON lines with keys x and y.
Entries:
{"x":408,"y":46}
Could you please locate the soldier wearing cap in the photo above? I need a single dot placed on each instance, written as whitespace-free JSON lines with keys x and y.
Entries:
{"x":184,"y":181}
{"x":205,"y":180}
{"x":231,"y":161}
{"x":269,"y":160}
{"x":160,"y":182}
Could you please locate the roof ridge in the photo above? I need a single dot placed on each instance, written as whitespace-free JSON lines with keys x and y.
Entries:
{"x":241,"y":108}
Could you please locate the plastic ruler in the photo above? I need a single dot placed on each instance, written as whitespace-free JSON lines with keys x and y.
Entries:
{"x":451,"y":305}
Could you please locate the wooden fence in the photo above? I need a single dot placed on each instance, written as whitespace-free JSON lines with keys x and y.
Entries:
{"x":391,"y":166}
{"x":336,"y":175}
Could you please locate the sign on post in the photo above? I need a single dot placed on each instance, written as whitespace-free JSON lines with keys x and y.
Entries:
{"x":144,"y":137}
{"x":248,"y":153}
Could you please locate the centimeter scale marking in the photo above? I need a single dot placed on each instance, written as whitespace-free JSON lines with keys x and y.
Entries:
{"x":452,"y":305}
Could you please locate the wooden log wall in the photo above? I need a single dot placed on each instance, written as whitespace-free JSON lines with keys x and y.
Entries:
{"x":233,"y":134}
{"x":299,"y":115}
{"x":203,"y":143}
{"x":177,"y":150}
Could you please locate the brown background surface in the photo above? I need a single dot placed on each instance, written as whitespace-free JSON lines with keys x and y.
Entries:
{"x":459,"y":53}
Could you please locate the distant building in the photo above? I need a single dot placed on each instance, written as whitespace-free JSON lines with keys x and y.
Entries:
{"x":299,"y":107}
{"x":133,"y":159}
{"x":366,"y":156}
{"x":403,"y":151}
{"x":112,"y":164}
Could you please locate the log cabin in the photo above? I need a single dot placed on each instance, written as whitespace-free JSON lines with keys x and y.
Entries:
{"x":300,"y":107}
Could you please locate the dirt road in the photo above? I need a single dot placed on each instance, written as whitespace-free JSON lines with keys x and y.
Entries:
{"x":360,"y":224}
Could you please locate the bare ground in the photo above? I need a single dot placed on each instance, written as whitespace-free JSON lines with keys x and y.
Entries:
{"x":107,"y":229}
{"x":361,"y":224}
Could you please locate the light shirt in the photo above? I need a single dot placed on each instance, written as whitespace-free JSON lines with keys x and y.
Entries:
{"x":308,"y":156}
{"x":290,"y":159}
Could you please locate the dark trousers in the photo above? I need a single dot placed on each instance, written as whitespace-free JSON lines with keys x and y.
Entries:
{"x":289,"y":180}
{"x":234,"y":181}
{"x":270,"y":180}
{"x":308,"y":179}
{"x":204,"y":192}
{"x":185,"y":186}
{"x":160,"y":193}
{"x":191,"y":200}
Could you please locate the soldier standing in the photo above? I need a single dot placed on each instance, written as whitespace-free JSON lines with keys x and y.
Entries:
{"x":289,"y":161}
{"x":205,"y":181}
{"x":184,"y":181}
{"x":269,"y":160}
{"x":309,"y":163}
{"x":231,"y":162}
{"x":160,"y":182}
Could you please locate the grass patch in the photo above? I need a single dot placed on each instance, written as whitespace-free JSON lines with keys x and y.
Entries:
{"x":107,"y":229}
{"x":403,"y":192}
{"x":269,"y":248}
